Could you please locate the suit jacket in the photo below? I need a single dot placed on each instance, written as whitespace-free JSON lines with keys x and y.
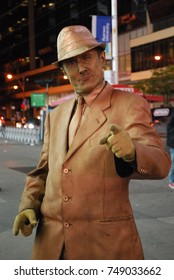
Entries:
{"x":85,"y":202}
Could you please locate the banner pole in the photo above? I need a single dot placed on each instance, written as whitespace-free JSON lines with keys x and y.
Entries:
{"x":114,"y":39}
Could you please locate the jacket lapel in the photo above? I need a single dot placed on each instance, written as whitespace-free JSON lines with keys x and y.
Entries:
{"x":93,"y":119}
{"x":64,"y":119}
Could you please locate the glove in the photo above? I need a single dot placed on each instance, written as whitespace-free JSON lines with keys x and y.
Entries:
{"x":119,"y":142}
{"x":24,"y":222}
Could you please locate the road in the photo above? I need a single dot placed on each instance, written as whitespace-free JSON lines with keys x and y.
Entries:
{"x":152,"y":202}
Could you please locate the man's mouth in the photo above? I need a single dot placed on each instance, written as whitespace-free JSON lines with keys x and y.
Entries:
{"x":85,"y":77}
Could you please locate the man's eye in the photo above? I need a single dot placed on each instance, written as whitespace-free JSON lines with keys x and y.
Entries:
{"x":86,"y":57}
{"x":70,"y":62}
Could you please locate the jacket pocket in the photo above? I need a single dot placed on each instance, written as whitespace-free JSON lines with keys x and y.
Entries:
{"x":115,"y":219}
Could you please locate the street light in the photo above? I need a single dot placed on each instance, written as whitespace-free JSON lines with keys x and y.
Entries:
{"x":10,"y":77}
{"x":22,"y":86}
{"x":157,"y":57}
{"x":15,"y":87}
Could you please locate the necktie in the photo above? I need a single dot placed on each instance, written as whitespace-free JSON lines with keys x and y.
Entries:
{"x":75,"y":121}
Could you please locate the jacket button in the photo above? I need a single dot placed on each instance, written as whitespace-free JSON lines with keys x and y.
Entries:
{"x":143,"y":170}
{"x":66,"y":225}
{"x":66,"y":198}
{"x":65,"y":170}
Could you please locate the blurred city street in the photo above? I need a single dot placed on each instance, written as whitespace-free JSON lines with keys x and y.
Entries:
{"x":152,"y":202}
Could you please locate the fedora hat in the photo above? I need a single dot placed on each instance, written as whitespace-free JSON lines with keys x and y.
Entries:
{"x":74,"y":40}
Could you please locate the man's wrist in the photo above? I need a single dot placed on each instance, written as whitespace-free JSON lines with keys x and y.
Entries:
{"x":123,"y":168}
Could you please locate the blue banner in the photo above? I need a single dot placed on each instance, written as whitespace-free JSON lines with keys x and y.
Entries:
{"x":103,"y":29}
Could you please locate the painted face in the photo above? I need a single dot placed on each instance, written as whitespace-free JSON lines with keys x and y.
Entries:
{"x":85,"y":71}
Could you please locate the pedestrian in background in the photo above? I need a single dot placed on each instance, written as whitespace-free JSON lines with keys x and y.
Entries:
{"x":170,"y":144}
{"x":93,"y":146}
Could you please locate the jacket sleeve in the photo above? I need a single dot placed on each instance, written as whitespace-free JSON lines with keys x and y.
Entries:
{"x":152,"y":161}
{"x":34,"y":189}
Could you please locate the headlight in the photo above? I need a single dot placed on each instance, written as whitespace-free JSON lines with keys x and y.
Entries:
{"x":18,"y":125}
{"x":31,"y":125}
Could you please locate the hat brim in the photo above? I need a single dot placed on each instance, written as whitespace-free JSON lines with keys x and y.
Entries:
{"x":80,"y":51}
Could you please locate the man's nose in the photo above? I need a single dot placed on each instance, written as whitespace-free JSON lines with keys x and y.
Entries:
{"x":80,"y":65}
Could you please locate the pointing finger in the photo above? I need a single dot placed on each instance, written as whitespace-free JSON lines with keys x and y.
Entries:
{"x":104,"y":139}
{"x":115,"y":128}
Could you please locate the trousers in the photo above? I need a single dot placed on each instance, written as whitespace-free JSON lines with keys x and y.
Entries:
{"x":171,"y":172}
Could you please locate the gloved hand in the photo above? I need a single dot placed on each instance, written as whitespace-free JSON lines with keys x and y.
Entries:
{"x":119,"y":142}
{"x":24,"y":222}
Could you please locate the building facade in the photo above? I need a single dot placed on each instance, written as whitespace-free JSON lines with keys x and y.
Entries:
{"x":28,"y":33}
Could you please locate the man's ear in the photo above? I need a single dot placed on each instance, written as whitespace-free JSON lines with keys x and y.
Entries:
{"x":103,"y":58}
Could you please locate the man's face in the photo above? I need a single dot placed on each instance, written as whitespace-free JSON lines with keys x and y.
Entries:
{"x":85,"y":71}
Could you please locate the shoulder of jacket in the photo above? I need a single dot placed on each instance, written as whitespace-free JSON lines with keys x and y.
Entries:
{"x":61,"y":107}
{"x":127,"y":95}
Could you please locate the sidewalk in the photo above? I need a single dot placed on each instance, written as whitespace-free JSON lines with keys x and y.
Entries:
{"x":152,"y":202}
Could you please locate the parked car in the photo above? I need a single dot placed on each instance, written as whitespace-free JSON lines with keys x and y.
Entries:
{"x":160,"y":117}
